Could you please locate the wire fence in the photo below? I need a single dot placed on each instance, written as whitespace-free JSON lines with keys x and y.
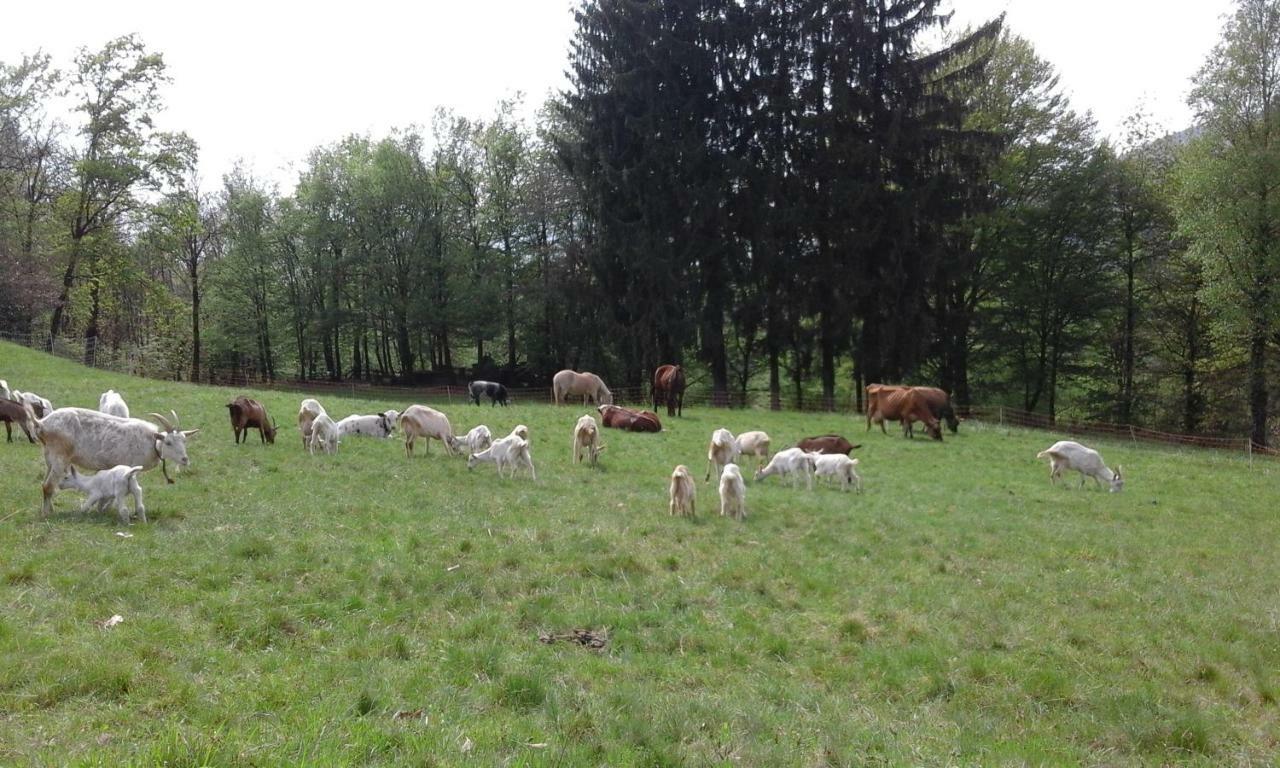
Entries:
{"x":137,"y":363}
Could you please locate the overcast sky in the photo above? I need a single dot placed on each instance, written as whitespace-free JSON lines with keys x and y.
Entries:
{"x":267,"y":81}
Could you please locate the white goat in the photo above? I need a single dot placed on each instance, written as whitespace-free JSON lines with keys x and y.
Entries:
{"x":683,"y":492}
{"x":5,"y":394}
{"x":106,"y":487}
{"x":792,"y":462}
{"x":92,"y":440}
{"x":837,"y":466}
{"x":510,"y":451}
{"x":754,"y":444}
{"x":421,"y":421}
{"x":40,"y":406}
{"x":586,"y":441}
{"x":722,"y":450}
{"x":375,"y":425}
{"x":733,"y":493}
{"x":521,"y":431}
{"x":474,"y":441}
{"x":307,"y":413}
{"x":113,"y":404}
{"x":324,"y":434}
{"x":1067,"y":454}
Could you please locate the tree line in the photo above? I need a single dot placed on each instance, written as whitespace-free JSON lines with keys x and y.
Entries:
{"x":799,"y":197}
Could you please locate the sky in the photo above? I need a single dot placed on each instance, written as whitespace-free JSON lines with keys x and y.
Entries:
{"x":265,"y":82}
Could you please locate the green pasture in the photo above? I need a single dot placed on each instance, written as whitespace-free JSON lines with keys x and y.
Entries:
{"x":367,"y":609}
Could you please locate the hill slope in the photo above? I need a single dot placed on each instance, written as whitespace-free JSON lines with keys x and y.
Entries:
{"x":281,"y":609}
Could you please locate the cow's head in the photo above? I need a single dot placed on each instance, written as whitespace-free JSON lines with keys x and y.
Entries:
{"x":171,"y":444}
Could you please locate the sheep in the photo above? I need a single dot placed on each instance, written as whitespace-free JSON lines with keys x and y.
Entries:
{"x":40,"y":406}
{"x":247,"y":413}
{"x":1067,"y":454}
{"x":683,"y":492}
{"x":92,"y":440}
{"x":838,"y":466}
{"x":113,"y":404}
{"x":510,"y":451}
{"x":754,"y":444}
{"x":324,"y":433}
{"x":733,"y":493}
{"x":107,"y":486}
{"x":792,"y":462}
{"x":421,"y":421}
{"x":307,"y":413}
{"x":11,"y":411}
{"x":586,"y":441}
{"x":722,"y":450}
{"x":375,"y":425}
{"x":474,"y":441}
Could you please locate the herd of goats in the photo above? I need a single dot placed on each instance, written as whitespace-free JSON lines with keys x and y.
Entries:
{"x":118,"y":447}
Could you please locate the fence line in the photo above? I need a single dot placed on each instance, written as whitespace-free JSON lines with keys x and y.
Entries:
{"x":751,"y":399}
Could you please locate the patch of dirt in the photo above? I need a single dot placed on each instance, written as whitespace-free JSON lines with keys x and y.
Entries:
{"x":587,"y":638}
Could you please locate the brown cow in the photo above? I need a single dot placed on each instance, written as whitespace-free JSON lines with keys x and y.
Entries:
{"x":11,"y":411}
{"x":617,"y":417}
{"x":906,"y":405}
{"x":247,"y":413}
{"x":826,"y":444}
{"x":668,"y":387}
{"x":874,"y":392}
{"x":938,"y":401}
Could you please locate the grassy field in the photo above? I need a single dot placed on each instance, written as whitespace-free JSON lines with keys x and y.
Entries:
{"x":282,"y":609}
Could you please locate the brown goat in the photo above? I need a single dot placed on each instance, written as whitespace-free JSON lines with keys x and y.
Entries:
{"x":11,"y":411}
{"x":246,"y":414}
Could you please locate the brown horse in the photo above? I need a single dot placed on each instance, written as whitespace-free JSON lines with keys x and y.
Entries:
{"x":668,"y":387}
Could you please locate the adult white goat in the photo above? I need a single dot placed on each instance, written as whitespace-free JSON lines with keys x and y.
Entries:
{"x":586,"y":440}
{"x":421,"y":421}
{"x":324,"y":434}
{"x":1068,"y":454}
{"x":91,"y":440}
{"x":307,"y":413}
{"x":510,"y":451}
{"x":837,"y":466}
{"x":722,"y":450}
{"x":112,"y":403}
{"x":375,"y":425}
{"x":733,"y":493}
{"x":683,"y":492}
{"x":754,"y":444}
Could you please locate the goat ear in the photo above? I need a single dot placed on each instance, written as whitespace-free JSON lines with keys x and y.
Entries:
{"x":190,"y":432}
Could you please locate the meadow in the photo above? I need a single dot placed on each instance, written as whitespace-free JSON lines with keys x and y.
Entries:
{"x":368,"y":609}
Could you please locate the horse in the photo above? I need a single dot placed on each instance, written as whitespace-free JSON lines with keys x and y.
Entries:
{"x":668,"y":387}
{"x":588,"y":385}
{"x":617,"y":417}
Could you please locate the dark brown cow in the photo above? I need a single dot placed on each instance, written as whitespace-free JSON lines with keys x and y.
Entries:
{"x":11,"y":411}
{"x":246,"y":414}
{"x":826,"y":444}
{"x":939,"y":403}
{"x":903,"y":404}
{"x":617,"y":417}
{"x":668,"y":387}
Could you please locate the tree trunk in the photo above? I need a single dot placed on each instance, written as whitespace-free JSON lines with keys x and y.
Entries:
{"x":1258,"y":382}
{"x":828,"y":348}
{"x":194,"y":274}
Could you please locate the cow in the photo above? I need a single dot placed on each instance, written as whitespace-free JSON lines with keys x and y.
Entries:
{"x":247,"y":413}
{"x":617,"y":417}
{"x":938,"y":401}
{"x":496,"y":392}
{"x":901,"y":404}
{"x":828,"y":444}
{"x":586,"y":384}
{"x":668,"y":387}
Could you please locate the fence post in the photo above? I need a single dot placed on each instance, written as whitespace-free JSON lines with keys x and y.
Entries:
{"x":1002,"y":416}
{"x":1249,"y":448}
{"x":1132,"y":437}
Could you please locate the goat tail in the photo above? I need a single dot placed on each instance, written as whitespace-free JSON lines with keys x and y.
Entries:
{"x":1044,"y":453}
{"x":133,"y":471}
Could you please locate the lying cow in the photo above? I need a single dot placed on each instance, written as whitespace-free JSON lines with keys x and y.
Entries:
{"x":827,"y":444}
{"x":617,"y":417}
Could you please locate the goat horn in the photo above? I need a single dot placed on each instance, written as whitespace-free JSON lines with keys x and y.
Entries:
{"x":175,"y":418}
{"x":162,"y":421}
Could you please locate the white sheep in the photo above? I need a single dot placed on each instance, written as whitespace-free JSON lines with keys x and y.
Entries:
{"x":324,"y":433}
{"x":683,"y":492}
{"x":754,"y":444}
{"x":722,"y":451}
{"x":474,"y":441}
{"x":511,"y":451}
{"x":733,"y":493}
{"x":792,"y":462}
{"x":1068,"y":454}
{"x":837,"y":466}
{"x":106,"y":487}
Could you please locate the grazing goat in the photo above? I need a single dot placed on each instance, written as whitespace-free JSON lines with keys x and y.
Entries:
{"x":474,"y":441}
{"x":733,"y":493}
{"x":496,"y":392}
{"x":1067,"y":454}
{"x":839,"y":467}
{"x":324,"y":434}
{"x":247,"y":413}
{"x":39,"y":406}
{"x":722,"y":450}
{"x":586,"y":441}
{"x":307,"y":413}
{"x":683,"y":492}
{"x":12,"y":411}
{"x":108,"y":486}
{"x":113,"y":404}
{"x":92,"y":440}
{"x":510,"y":451}
{"x":421,"y":421}
{"x":792,"y":462}
{"x":375,"y":425}
{"x":754,"y":444}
